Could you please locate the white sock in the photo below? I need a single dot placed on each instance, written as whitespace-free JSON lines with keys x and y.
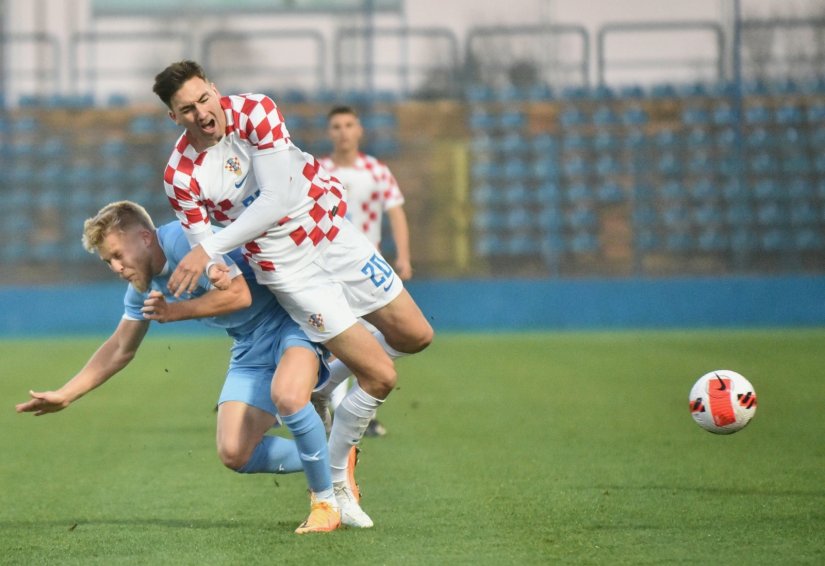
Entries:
{"x":338,"y":372}
{"x":351,"y":419}
{"x":338,"y":394}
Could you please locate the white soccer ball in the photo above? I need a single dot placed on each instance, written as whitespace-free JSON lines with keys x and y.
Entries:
{"x":722,"y":402}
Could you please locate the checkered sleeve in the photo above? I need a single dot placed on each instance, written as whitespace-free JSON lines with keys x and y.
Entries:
{"x":261,"y":123}
{"x":184,"y":194}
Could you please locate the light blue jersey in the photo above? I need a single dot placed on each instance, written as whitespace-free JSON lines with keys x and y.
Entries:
{"x":261,"y":332}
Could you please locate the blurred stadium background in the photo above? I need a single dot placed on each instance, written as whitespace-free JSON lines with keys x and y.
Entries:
{"x":626,"y":157}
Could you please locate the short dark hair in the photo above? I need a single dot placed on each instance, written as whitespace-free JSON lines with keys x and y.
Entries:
{"x":169,"y":80}
{"x":336,"y":110}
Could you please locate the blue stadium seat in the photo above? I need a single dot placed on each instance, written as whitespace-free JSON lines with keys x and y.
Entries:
{"x":634,"y":116}
{"x":582,"y":218}
{"x":480,"y":120}
{"x":767,"y":189}
{"x":796,"y":163}
{"x":819,"y":163}
{"x":809,"y":239}
{"x":724,"y":115}
{"x":758,"y":114}
{"x":490,"y":245}
{"x":815,"y":114}
{"x":743,"y":239}
{"x":516,"y":194}
{"x":635,"y":140}
{"x":698,"y":137}
{"x":574,"y":141}
{"x":699,"y":162}
{"x":605,"y":116}
{"x":792,"y":136}
{"x":703,"y":189}
{"x":775,"y":240}
{"x":771,"y":214}
{"x":789,"y":115}
{"x":522,"y":244}
{"x":676,"y":216}
{"x":548,"y":192}
{"x":51,"y":175}
{"x":679,"y":242}
{"x":579,"y":192}
{"x":668,"y":139}
{"x":803,"y":213}
{"x":740,"y":214}
{"x":482,"y":144}
{"x":763,"y":163}
{"x":479,"y":93}
{"x":512,"y":119}
{"x":550,"y":219}
{"x":631,"y":92}
{"x":610,"y":193}
{"x":644,"y":215}
{"x":669,"y":164}
{"x":707,"y":215}
{"x":539,"y":92}
{"x":758,"y":138}
{"x":515,"y":169}
{"x":607,"y":166}
{"x":486,"y":194}
{"x":519,"y":218}
{"x":380,"y":121}
{"x":605,"y":141}
{"x":513,"y":143}
{"x":646,"y":240}
{"x":576,"y":166}
{"x":544,"y":169}
{"x":696,"y":116}
{"x":674,"y":190}
{"x":486,"y":220}
{"x":799,"y":188}
{"x":713,"y":240}
{"x":572,"y":116}
{"x":664,"y":90}
{"x":486,"y":171}
{"x":584,"y":243}
{"x":543,"y":144}
{"x":143,"y":124}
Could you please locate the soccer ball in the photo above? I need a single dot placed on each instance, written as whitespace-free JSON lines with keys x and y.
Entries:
{"x":722,"y":402}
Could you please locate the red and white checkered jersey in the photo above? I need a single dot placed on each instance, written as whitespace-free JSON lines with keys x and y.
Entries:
{"x":371,"y":189}
{"x":219,"y":183}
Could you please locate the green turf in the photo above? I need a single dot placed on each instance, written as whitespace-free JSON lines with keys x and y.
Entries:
{"x":558,"y":448}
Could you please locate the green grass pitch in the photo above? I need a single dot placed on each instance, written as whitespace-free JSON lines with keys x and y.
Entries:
{"x":539,"y":448}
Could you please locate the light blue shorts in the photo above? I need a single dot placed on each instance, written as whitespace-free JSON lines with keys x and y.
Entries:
{"x":255,"y":357}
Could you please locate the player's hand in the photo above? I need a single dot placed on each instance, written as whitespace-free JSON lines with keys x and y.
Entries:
{"x":43,"y":403}
{"x":186,"y":275}
{"x":404,"y":269}
{"x":219,"y":276}
{"x":156,"y":308}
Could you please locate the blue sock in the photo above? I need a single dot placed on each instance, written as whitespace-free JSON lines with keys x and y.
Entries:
{"x":273,"y":455}
{"x":308,"y":431}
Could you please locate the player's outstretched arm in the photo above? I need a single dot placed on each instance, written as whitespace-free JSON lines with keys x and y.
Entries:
{"x":112,"y":356}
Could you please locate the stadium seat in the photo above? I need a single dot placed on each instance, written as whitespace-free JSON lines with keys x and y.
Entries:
{"x":775,"y":240}
{"x":544,"y":144}
{"x":516,"y":194}
{"x":479,"y":93}
{"x":699,"y":162}
{"x":799,"y":188}
{"x":631,"y":92}
{"x":698,"y":137}
{"x":607,"y":166}
{"x":605,"y":141}
{"x":703,"y":189}
{"x":583,"y":243}
{"x":758,"y":114}
{"x":522,"y":244}
{"x":576,"y":166}
{"x":669,"y":164}
{"x":550,"y":219}
{"x":809,"y":239}
{"x":763,"y":163}
{"x":610,"y":193}
{"x":796,"y":163}
{"x":482,"y":145}
{"x":479,"y":121}
{"x":486,"y":220}
{"x":664,"y":90}
{"x":545,"y":169}
{"x":676,"y":216}
{"x":767,"y":189}
{"x":803,"y":213}
{"x":724,"y":115}
{"x":578,"y":193}
{"x":519,"y":218}
{"x":758,"y":138}
{"x":486,"y":194}
{"x":512,"y":119}
{"x":713,"y":240}
{"x":515,"y":169}
{"x":644,"y":215}
{"x":815,"y":114}
{"x":513,"y":143}
{"x":771,"y":214}
{"x":739,"y":214}
{"x":634,"y":116}
{"x":490,"y":245}
{"x":646,"y":240}
{"x":604,"y":116}
{"x":548,"y":192}
{"x":707,"y":215}
{"x":693,"y":116}
{"x":674,"y":190}
{"x":572,"y":116}
{"x":581,"y":218}
{"x":743,"y":239}
{"x":679,"y":242}
{"x":789,"y":115}
{"x":574,"y":141}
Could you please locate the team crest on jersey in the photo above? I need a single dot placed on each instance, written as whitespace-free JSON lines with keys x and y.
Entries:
{"x":233,"y":165}
{"x":317,"y":321}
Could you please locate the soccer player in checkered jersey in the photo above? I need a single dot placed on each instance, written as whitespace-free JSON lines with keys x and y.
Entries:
{"x":235,"y":164}
{"x":371,"y":191}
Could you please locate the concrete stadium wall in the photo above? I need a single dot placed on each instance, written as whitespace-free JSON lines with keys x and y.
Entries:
{"x":489,"y":305}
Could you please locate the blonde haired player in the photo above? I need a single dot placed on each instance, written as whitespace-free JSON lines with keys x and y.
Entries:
{"x":371,"y":191}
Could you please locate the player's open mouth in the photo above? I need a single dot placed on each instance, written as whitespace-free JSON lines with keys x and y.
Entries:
{"x":209,"y":127}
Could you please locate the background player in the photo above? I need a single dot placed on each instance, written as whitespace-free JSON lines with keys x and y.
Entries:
{"x":371,"y":191}
{"x":235,"y":164}
{"x":266,"y":341}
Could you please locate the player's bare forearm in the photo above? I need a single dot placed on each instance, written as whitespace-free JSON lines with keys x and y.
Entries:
{"x":401,"y":237}
{"x":213,"y":303}
{"x":111,"y":357}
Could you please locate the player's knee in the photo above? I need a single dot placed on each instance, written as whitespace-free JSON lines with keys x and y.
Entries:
{"x":413,"y":341}
{"x":234,"y":457}
{"x":289,"y":402}
{"x":380,"y":381}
